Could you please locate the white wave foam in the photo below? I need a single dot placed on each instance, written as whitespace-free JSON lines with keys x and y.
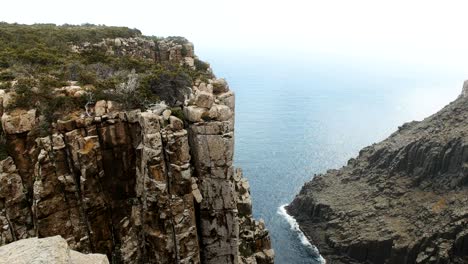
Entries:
{"x":295,"y":227}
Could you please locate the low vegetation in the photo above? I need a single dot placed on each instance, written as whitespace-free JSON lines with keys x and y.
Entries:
{"x":37,"y":59}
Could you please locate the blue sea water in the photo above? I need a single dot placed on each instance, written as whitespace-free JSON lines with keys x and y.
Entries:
{"x":296,"y":117}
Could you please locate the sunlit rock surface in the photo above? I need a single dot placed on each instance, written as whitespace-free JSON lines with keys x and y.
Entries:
{"x":46,"y":250}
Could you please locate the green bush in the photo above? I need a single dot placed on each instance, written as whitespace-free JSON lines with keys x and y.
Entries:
{"x":5,"y":85}
{"x":177,"y":112}
{"x":201,"y":65}
{"x":6,"y":76}
{"x":47,"y":82}
{"x":25,"y":96}
{"x":40,"y":58}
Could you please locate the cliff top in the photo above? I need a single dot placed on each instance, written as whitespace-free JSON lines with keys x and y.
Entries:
{"x":61,"y":71}
{"x":110,"y":63}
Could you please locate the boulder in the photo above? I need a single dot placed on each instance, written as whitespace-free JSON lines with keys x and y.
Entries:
{"x":265,"y":256}
{"x":113,"y":106}
{"x":46,"y":250}
{"x":227,"y":99}
{"x":220,"y":86}
{"x":80,"y":258}
{"x":100,"y":108}
{"x":72,"y":90}
{"x":203,"y":87}
{"x":166,"y":114}
{"x":176,"y":123}
{"x":194,"y":114}
{"x":190,"y":62}
{"x":117,"y":42}
{"x":18,"y":121}
{"x":220,"y":113}
{"x":204,"y":99}
{"x":8,"y":99}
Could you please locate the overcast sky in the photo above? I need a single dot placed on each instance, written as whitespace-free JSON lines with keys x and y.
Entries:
{"x":413,"y":31}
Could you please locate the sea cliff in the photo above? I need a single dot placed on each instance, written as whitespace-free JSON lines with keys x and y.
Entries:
{"x":123,"y":145}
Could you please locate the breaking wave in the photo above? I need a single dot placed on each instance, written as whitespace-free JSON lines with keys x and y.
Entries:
{"x":295,"y":227}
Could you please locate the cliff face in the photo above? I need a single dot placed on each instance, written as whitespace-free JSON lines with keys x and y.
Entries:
{"x":403,"y":200}
{"x":142,"y":186}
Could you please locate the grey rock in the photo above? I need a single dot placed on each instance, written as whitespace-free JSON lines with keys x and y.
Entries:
{"x":220,"y":86}
{"x":395,"y":202}
{"x":100,"y":108}
{"x":18,"y":121}
{"x":204,"y":99}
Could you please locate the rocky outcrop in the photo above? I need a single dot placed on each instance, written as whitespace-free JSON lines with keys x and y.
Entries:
{"x":403,"y":200}
{"x":46,"y":250}
{"x":172,"y":49}
{"x":153,"y":186}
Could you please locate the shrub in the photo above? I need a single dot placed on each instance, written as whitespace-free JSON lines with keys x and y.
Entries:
{"x":5,"y":85}
{"x":169,"y":83}
{"x":6,"y":76}
{"x":201,"y":65}
{"x":86,"y":76}
{"x":40,"y":58}
{"x":25,"y":96}
{"x":47,"y":82}
{"x":177,"y":112}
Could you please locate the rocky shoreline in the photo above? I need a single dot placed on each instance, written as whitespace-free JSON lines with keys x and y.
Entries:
{"x":403,"y":200}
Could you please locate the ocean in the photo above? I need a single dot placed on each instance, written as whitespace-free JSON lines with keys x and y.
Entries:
{"x":299,"y":116}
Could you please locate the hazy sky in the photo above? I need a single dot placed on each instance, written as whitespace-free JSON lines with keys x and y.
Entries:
{"x":417,"y":31}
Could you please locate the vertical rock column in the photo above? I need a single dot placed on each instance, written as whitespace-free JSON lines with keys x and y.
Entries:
{"x":179,"y":175}
{"x":211,"y":126}
{"x":17,"y":176}
{"x":86,"y":164}
{"x":57,"y":206}
{"x":164,"y":185}
{"x":152,"y":188}
{"x":15,"y":214}
{"x":254,"y":239}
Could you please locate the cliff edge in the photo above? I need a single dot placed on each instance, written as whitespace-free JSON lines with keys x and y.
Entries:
{"x":123,"y":145}
{"x":403,"y":200}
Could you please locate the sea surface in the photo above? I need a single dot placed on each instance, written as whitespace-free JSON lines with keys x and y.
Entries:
{"x":299,"y":116}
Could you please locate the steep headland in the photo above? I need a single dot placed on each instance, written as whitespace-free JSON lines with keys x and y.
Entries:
{"x":122,"y":144}
{"x":403,"y":200}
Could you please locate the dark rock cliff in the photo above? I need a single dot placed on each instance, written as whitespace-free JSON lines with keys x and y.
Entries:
{"x":403,"y":200}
